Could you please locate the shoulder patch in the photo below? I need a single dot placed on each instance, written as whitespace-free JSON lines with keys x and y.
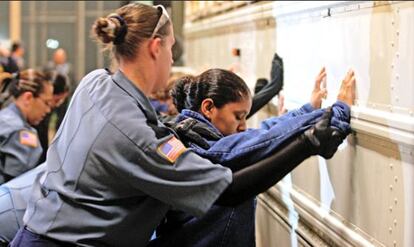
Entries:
{"x":28,"y":138}
{"x":171,"y":149}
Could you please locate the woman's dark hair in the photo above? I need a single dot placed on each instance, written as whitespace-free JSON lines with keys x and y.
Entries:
{"x":15,"y":46}
{"x":123,"y":32}
{"x":222,"y":86}
{"x":60,"y":84}
{"x":29,"y":80}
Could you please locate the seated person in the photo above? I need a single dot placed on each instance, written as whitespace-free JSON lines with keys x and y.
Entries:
{"x":19,"y":143}
{"x":216,"y":104}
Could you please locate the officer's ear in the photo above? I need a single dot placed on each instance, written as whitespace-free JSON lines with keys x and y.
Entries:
{"x":155,"y":47}
{"x":26,"y":98}
{"x":207,"y":108}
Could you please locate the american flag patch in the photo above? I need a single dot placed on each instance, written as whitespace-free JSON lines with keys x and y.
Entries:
{"x":28,"y":138}
{"x":172,"y":149}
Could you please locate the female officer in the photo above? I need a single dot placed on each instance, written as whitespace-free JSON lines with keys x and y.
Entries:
{"x":113,"y":171}
{"x":19,"y":144}
{"x":220,"y":101}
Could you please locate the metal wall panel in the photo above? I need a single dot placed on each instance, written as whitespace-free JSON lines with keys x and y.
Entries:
{"x":364,"y":195}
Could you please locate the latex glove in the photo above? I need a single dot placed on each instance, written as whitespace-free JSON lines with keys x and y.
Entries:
{"x":324,"y":140}
{"x":193,"y":131}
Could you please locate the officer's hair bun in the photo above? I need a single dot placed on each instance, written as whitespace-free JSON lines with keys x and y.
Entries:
{"x":180,"y":93}
{"x":106,"y":29}
{"x":29,"y":80}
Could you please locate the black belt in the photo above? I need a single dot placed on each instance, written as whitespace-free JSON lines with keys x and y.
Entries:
{"x":49,"y":240}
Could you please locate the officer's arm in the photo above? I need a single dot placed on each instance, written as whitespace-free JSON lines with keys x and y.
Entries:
{"x":270,"y":90}
{"x":17,"y":155}
{"x":257,"y":178}
{"x":193,"y":131}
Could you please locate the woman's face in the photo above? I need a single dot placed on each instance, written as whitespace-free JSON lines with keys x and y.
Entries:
{"x":231,"y":118}
{"x":41,"y":105}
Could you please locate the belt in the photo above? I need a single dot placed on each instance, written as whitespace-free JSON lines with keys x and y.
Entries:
{"x":50,"y":240}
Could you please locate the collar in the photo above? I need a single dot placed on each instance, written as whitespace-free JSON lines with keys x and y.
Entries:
{"x":13,"y":107}
{"x":143,"y":102}
{"x":197,"y":116}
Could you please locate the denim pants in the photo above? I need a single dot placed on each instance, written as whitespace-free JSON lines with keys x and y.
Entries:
{"x":220,"y":227}
{"x":26,"y":238}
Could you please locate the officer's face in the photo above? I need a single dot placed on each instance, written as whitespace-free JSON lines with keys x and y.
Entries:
{"x":231,"y":118}
{"x":166,"y":60}
{"x":41,"y":105}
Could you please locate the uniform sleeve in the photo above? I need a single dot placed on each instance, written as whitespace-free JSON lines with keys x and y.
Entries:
{"x":18,"y":157}
{"x":186,"y":181}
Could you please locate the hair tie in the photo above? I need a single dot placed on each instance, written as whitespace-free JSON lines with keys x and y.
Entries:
{"x":120,"y":36}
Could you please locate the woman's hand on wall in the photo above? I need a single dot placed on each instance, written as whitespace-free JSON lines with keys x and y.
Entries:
{"x":319,"y":90}
{"x":347,"y":90}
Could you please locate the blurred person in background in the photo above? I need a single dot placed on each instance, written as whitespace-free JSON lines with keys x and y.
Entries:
{"x":17,"y":53}
{"x":60,"y":65}
{"x":60,"y":93}
{"x":7,"y":64}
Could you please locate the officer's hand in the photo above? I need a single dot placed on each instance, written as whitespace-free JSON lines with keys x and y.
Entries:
{"x":192,"y":131}
{"x":323,"y":138}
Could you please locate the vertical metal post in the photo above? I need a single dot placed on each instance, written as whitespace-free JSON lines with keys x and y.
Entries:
{"x":80,"y":70}
{"x":15,"y":20}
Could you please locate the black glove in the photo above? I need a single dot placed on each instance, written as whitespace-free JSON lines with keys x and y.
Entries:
{"x":193,"y":131}
{"x":324,"y":140}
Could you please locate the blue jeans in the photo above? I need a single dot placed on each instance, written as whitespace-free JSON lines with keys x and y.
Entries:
{"x":26,"y":238}
{"x":220,"y":227}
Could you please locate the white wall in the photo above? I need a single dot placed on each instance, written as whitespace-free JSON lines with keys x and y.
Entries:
{"x":364,"y":195}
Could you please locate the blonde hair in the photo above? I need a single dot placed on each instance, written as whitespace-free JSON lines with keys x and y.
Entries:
{"x":124,"y":31}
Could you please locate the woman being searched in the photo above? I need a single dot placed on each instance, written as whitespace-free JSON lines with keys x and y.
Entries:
{"x":113,"y":170}
{"x":215,"y":104}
